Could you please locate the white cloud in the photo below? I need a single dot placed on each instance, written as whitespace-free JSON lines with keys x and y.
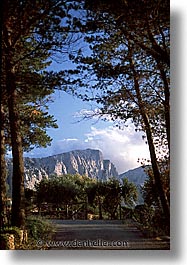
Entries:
{"x":85,"y":113}
{"x":94,"y":114}
{"x":66,"y":145}
{"x":122,"y":147}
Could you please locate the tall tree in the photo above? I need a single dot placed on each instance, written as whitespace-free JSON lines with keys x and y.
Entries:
{"x":31,"y":31}
{"x":146,"y":24}
{"x":127,"y":70}
{"x":2,"y":175}
{"x":3,"y":151}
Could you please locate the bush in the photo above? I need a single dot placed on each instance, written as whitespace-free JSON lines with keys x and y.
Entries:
{"x":39,"y":228}
{"x":151,"y":219}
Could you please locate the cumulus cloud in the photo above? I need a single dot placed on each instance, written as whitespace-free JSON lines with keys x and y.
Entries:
{"x":66,"y":145}
{"x":122,"y":147}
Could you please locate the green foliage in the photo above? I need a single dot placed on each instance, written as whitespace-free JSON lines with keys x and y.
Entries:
{"x":151,"y":220}
{"x":129,"y":193}
{"x":150,"y":215}
{"x":155,"y":219}
{"x":108,"y":195}
{"x":65,"y":189}
{"x":102,"y":197}
{"x":150,"y":190}
{"x":143,"y":214}
{"x":39,"y":228}
{"x":128,"y":65}
{"x":112,"y":197}
{"x":38,"y":33}
{"x":92,"y":191}
{"x":32,"y":33}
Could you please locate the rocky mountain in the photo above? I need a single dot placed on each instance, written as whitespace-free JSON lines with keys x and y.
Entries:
{"x":137,"y":176}
{"x":85,"y":162}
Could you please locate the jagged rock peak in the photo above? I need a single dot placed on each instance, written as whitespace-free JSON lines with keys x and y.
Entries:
{"x":88,"y":162}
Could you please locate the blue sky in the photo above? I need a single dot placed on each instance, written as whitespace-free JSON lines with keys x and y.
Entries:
{"x":122,"y":147}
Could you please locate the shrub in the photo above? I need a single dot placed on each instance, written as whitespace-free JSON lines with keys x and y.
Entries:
{"x":39,"y":228}
{"x":152,"y":219}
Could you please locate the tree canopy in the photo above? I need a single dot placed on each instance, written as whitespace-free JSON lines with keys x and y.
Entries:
{"x":105,"y":197}
{"x":33,"y":33}
{"x":126,"y":71}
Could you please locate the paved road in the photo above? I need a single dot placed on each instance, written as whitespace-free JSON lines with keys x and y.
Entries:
{"x":101,"y":234}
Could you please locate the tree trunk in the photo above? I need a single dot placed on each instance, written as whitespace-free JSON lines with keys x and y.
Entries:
{"x":18,"y":208}
{"x":2,"y":175}
{"x":156,"y":172}
{"x":100,"y":210}
{"x":3,"y":151}
{"x":67,"y":211}
{"x":166,"y":102}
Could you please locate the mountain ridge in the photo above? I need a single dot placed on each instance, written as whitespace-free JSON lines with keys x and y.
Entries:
{"x":88,"y":162}
{"x":136,"y":175}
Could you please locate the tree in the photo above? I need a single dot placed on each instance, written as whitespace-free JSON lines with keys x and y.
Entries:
{"x":150,"y":213}
{"x":106,"y":196}
{"x":3,"y":151}
{"x":63,"y":191}
{"x":149,"y":189}
{"x":129,"y":192}
{"x":112,"y":197}
{"x":2,"y":176}
{"x":95,"y":194}
{"x":31,"y":31}
{"x":33,"y":119}
{"x":145,"y":24}
{"x":127,"y":73}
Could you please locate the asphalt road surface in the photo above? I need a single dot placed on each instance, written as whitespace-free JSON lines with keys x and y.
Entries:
{"x":102,"y":235}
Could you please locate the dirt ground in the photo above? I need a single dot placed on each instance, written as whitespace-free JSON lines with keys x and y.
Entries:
{"x":102,"y":235}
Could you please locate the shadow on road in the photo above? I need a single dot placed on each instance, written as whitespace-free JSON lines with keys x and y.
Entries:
{"x":102,"y":235}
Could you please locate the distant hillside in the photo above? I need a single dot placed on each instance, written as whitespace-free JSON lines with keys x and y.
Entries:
{"x":137,"y":176}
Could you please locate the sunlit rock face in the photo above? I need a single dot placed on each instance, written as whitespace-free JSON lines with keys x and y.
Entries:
{"x":84,"y":162}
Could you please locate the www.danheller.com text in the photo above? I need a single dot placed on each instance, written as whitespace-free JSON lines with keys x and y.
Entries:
{"x":82,"y":243}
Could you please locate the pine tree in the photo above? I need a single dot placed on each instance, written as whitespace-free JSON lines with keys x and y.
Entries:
{"x":32,"y":32}
{"x":127,"y":71}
